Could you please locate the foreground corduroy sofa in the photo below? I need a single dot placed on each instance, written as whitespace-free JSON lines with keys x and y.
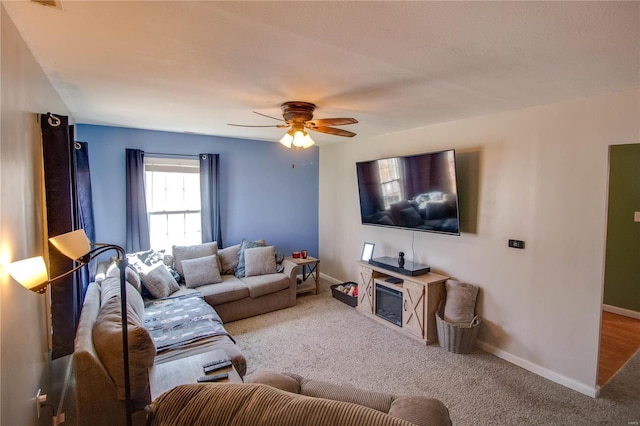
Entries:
{"x":269,"y":398}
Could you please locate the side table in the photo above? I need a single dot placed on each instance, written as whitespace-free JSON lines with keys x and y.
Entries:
{"x":310,"y":268}
{"x":168,"y":375}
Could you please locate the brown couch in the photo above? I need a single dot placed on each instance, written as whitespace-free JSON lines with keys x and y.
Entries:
{"x":289,"y":400}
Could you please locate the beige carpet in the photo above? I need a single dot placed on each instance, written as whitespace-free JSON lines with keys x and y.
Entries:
{"x":323,"y":338}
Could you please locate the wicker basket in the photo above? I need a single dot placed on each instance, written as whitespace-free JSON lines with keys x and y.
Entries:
{"x":456,"y":338}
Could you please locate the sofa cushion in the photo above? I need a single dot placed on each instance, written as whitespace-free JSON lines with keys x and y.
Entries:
{"x":317,"y":388}
{"x":260,"y":261}
{"x":228,"y":257}
{"x":240,"y":267}
{"x":261,"y":285}
{"x":460,"y":302}
{"x":110,"y":288}
{"x":229,"y":290}
{"x":420,"y":410}
{"x":107,"y":339}
{"x":181,"y":253}
{"x":201,"y":271}
{"x":159,"y":281}
{"x":255,"y":404}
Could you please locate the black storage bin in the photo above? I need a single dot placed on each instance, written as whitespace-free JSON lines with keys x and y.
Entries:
{"x":343,"y":297}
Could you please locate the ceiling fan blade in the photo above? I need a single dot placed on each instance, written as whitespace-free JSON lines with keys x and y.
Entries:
{"x":333,"y":131}
{"x":268,"y":116}
{"x":332,"y":121}
{"x":279,"y":126}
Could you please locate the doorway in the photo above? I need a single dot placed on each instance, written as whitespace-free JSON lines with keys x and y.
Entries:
{"x":620,"y":326}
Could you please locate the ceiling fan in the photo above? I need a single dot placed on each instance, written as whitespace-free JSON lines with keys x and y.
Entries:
{"x":298,"y":116}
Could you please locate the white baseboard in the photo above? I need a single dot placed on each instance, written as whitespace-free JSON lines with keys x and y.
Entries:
{"x":621,"y":311}
{"x":330,"y":278}
{"x":540,"y":371}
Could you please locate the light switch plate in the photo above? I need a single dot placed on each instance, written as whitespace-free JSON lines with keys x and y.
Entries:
{"x":636,"y":216}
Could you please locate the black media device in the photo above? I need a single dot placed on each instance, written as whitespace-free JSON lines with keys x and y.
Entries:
{"x":213,"y":378}
{"x":218,"y":366}
{"x":417,"y":192}
{"x":391,"y":263}
{"x":213,"y":363}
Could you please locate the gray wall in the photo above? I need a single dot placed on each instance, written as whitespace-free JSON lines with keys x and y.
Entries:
{"x":24,"y":357}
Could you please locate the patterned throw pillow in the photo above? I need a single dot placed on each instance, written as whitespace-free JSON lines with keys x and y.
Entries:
{"x":142,"y":260}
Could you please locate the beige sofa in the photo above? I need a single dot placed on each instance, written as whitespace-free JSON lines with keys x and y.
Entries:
{"x":289,"y":400}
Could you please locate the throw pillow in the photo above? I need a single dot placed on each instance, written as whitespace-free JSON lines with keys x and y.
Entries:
{"x":228,"y":259}
{"x":239,"y":271}
{"x":201,"y":271}
{"x":181,"y":253}
{"x":460,"y":303}
{"x":260,"y":261}
{"x":159,"y":281}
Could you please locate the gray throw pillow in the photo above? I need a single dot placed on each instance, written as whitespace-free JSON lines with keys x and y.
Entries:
{"x":181,"y":253}
{"x":201,"y":271}
{"x":239,"y":271}
{"x":260,"y":261}
{"x":228,"y":258}
{"x":158,"y":281}
{"x":460,"y":303}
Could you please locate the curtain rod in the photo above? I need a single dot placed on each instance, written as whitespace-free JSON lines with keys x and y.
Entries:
{"x":172,"y":155}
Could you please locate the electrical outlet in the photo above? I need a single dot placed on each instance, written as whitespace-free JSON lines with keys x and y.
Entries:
{"x":516,"y":244}
{"x":636,"y":216}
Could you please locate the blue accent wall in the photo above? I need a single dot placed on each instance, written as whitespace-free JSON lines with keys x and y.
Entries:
{"x":262,"y":196}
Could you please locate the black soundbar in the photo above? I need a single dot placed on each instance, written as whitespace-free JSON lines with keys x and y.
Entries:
{"x":391,"y":263}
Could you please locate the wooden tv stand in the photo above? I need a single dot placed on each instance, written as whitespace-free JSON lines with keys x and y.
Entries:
{"x":421,"y":296}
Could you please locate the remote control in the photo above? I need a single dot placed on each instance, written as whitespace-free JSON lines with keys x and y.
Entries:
{"x":215,"y":367}
{"x":212,"y":363}
{"x":213,"y":378}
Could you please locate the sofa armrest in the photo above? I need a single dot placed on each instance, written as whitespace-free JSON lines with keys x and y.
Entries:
{"x":291,"y":271}
{"x":420,"y":410}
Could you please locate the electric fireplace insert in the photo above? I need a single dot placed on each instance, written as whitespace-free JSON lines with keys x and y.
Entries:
{"x":389,"y":304}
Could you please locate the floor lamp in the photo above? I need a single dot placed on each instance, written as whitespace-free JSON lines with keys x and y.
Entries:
{"x":32,"y":274}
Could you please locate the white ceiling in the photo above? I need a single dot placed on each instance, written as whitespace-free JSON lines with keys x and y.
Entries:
{"x":196,"y":66}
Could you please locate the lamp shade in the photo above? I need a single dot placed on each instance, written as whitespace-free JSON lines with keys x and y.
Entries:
{"x":31,"y":273}
{"x":73,"y":244}
{"x":287,"y":139}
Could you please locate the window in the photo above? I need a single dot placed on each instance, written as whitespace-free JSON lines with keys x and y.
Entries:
{"x":389,"y":172}
{"x":173,"y":201}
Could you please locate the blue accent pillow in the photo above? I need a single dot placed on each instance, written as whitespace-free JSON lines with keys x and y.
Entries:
{"x":240,"y":267}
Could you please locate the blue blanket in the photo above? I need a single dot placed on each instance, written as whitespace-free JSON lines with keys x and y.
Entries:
{"x":177,"y":321}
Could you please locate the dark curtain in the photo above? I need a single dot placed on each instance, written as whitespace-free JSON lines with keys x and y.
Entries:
{"x":137,"y":218}
{"x":57,"y":146}
{"x":84,"y":209}
{"x":210,"y":198}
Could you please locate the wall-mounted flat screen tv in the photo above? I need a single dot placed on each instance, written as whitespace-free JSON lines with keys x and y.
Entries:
{"x":417,"y":192}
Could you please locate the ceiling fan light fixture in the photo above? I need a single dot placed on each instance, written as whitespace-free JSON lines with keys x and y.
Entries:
{"x":287,"y":139}
{"x":301,"y":139}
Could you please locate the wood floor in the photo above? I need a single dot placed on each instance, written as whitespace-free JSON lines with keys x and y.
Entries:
{"x":619,"y":340}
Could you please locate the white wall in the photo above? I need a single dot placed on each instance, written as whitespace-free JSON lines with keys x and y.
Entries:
{"x":542,"y":179}
{"x":24,"y":91}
